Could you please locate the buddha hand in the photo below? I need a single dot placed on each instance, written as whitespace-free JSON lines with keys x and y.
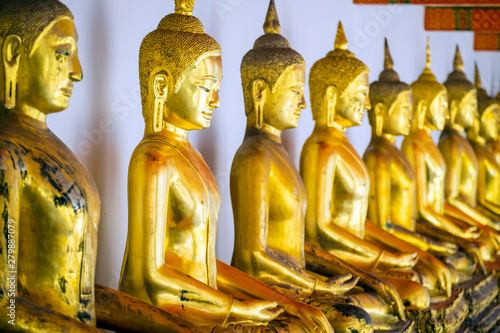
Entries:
{"x":390,"y":295}
{"x":443,"y":248}
{"x":441,"y":271}
{"x":253,"y":312}
{"x":311,"y":318}
{"x":399,"y":260}
{"x":471,"y":232}
{"x":337,"y":285}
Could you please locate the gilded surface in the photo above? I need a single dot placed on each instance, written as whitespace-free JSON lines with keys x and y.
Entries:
{"x":461,"y":162}
{"x":430,"y":104}
{"x":393,"y":185}
{"x":49,"y":203}
{"x":269,"y":198}
{"x":174,"y":200}
{"x":336,"y":178}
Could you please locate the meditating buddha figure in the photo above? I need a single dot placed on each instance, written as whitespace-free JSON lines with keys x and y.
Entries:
{"x":48,"y":201}
{"x":461,"y":162}
{"x":486,"y":129}
{"x":269,"y":198}
{"x":430,"y":105}
{"x":392,"y":188}
{"x":335,"y":177}
{"x":494,"y":145}
{"x":174,"y":200}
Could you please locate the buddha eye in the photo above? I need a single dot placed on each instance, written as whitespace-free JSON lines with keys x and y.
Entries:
{"x":296,"y":92}
{"x":63,"y":52}
{"x":204,"y":89}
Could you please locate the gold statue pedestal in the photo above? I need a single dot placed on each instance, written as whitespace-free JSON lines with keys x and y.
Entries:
{"x":484,"y":312}
{"x":445,"y":316}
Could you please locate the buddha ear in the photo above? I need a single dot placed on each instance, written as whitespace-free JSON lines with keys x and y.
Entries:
{"x":420,"y":113}
{"x":11,"y":51}
{"x":331,"y":95}
{"x":378,"y":112}
{"x":259,"y":95}
{"x":161,"y":84}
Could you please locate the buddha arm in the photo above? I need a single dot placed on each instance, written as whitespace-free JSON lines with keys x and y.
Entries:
{"x":426,"y":212}
{"x":25,"y":316}
{"x":325,"y":263}
{"x":452,"y":155}
{"x":250,"y":177}
{"x":242,"y":286}
{"x":150,"y":192}
{"x":443,"y":274}
{"x":379,"y":208}
{"x":492,"y":210}
{"x":319,"y":170}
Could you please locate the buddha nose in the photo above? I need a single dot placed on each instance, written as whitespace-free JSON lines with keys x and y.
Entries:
{"x":368,"y":104}
{"x":214,"y":99}
{"x":302,"y":103}
{"x":76,"y":74}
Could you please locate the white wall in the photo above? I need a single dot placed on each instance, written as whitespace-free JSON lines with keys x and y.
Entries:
{"x":103,"y":123}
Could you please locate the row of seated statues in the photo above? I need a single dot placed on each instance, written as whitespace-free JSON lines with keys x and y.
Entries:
{"x":342,"y":244}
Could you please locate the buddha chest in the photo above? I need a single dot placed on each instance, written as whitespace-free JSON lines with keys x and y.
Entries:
{"x":56,"y":206}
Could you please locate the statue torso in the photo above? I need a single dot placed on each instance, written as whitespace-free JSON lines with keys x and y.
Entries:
{"x":286,"y":194}
{"x":420,"y":146}
{"x":402,"y":183}
{"x":349,"y":181}
{"x":490,"y":171}
{"x":191,"y":204}
{"x":452,"y":140}
{"x":59,"y":211}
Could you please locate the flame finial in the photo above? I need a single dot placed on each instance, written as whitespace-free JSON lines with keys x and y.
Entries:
{"x":458,"y":63}
{"x":477,"y":79}
{"x":340,"y":39}
{"x":388,"y":63}
{"x":184,"y":7}
{"x":272,"y":23}
{"x":428,"y":55}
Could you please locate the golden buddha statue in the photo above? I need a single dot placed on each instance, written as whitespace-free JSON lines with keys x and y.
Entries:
{"x":49,"y":203}
{"x":335,"y":176}
{"x":174,"y":200}
{"x":461,"y":162}
{"x":430,"y":105}
{"x":392,"y":190}
{"x":486,"y":129}
{"x":494,"y":145}
{"x":269,"y":199}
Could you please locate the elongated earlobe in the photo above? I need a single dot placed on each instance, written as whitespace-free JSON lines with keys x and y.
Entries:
{"x":259,"y":98}
{"x":11,"y":59}
{"x":160,"y":87}
{"x":331,"y":104}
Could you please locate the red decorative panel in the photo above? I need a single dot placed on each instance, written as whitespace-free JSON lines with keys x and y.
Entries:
{"x":485,"y":19}
{"x":431,"y":2}
{"x":486,"y":42}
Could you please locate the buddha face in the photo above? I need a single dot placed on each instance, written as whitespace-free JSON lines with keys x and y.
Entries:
{"x":467,"y":108}
{"x":354,"y":99}
{"x":438,"y":111}
{"x":399,"y":116}
{"x":283,"y":105}
{"x":489,"y":123}
{"x":51,"y":69}
{"x":191,"y":107}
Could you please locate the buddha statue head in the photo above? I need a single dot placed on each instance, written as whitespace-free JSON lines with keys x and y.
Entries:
{"x":487,"y":124}
{"x":273,"y":76}
{"x":39,"y":56}
{"x":180,"y":70}
{"x":462,"y":99}
{"x":391,"y":100}
{"x":430,"y":99}
{"x":338,"y":86}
